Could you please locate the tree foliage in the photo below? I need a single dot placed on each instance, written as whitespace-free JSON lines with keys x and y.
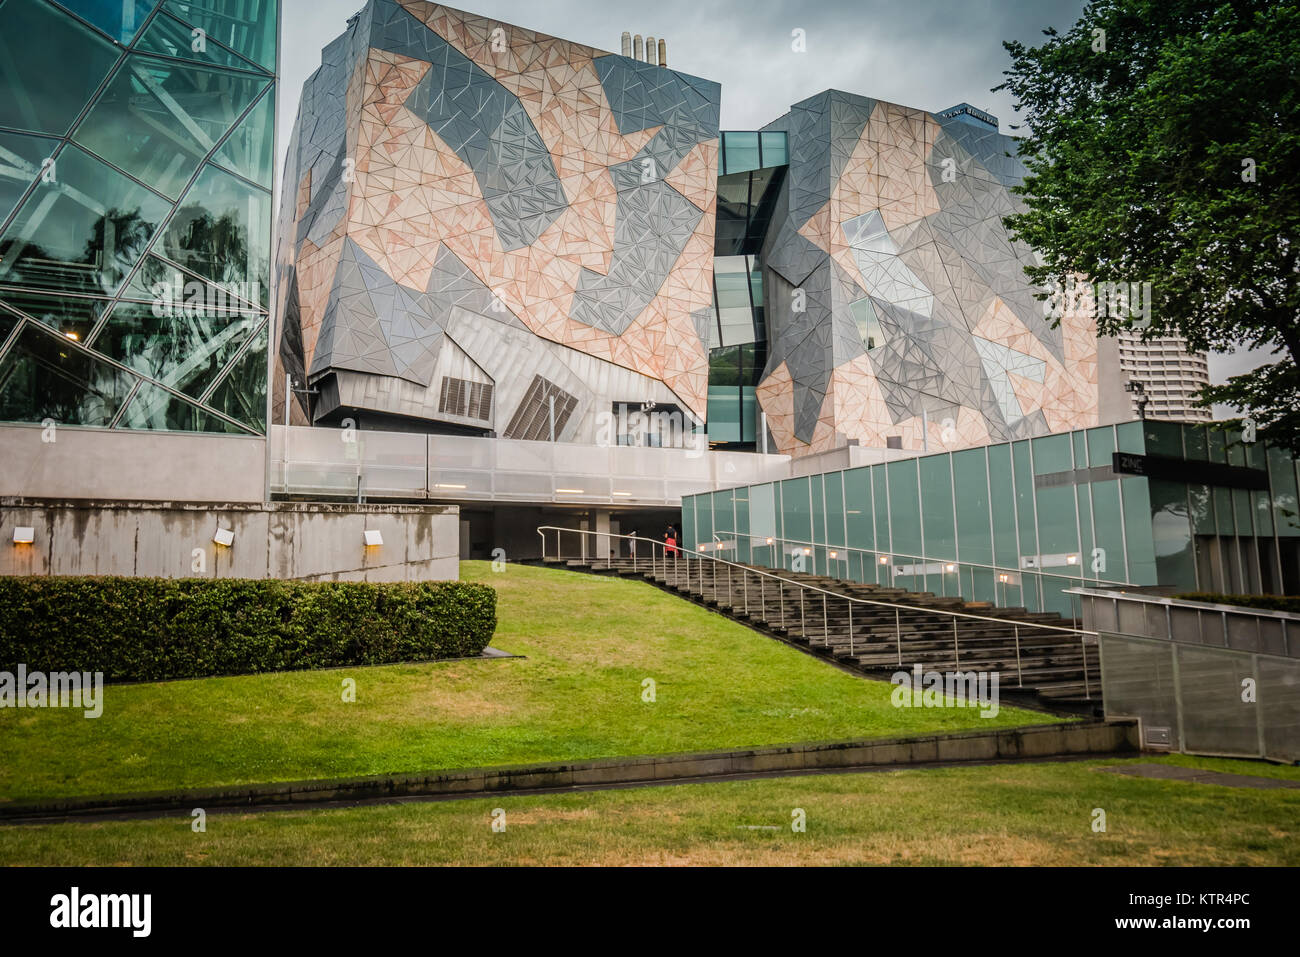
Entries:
{"x":1164,"y":147}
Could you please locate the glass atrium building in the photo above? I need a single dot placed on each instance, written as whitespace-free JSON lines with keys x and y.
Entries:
{"x":1184,"y":507}
{"x":136,"y":155}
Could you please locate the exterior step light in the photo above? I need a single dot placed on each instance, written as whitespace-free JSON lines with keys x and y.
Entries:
{"x":373,"y":538}
{"x":24,"y":535}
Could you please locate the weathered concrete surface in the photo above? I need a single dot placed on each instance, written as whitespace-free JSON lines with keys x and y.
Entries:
{"x":315,"y":542}
{"x":67,"y":462}
{"x":1003,"y":744}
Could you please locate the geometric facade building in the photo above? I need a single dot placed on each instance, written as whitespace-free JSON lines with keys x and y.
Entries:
{"x":136,"y":159}
{"x":897,"y":302}
{"x":489,"y":230}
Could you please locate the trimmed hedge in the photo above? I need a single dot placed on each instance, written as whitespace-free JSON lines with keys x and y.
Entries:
{"x":152,"y":629}
{"x":1267,"y":602}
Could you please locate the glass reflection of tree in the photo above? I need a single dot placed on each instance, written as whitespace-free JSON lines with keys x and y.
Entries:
{"x":214,"y":247}
{"x":117,"y":240}
{"x":45,"y":377}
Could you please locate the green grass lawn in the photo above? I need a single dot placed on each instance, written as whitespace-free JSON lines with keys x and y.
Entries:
{"x":589,"y":641}
{"x":1022,"y":814}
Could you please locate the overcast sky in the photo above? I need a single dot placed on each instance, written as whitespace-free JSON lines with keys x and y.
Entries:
{"x":928,"y":54}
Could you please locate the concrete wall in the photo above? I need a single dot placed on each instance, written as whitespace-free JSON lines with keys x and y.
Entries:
{"x":315,"y":542}
{"x":1113,"y":403}
{"x":66,"y":462}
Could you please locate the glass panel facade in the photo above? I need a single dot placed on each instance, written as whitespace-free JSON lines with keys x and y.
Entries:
{"x":740,"y":152}
{"x":22,"y":160}
{"x":158,"y":118}
{"x":163,"y":142}
{"x":249,"y":27}
{"x":43,"y":376}
{"x":120,"y":19}
{"x":221,"y":233}
{"x":183,"y":351}
{"x":81,"y":230}
{"x":1021,"y":522}
{"x":52,"y":64}
{"x":170,"y":37}
{"x":776,"y":150}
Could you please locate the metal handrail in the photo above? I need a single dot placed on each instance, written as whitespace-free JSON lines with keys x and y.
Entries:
{"x":803,"y":587}
{"x":686,"y":553}
{"x":766,"y":540}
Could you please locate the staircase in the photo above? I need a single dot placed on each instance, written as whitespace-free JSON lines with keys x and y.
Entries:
{"x":1038,"y":656}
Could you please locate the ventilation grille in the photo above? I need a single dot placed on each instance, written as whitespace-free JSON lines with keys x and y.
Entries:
{"x":469,"y":400}
{"x":532,"y":420}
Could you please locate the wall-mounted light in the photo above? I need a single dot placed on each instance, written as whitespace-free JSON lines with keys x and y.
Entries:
{"x":884,"y":559}
{"x":703,"y":547}
{"x":373,"y":538}
{"x":447,"y":485}
{"x":223,"y":536}
{"x":950,"y":567}
{"x":24,"y":535}
{"x":1071,"y":559}
{"x":807,"y":551}
{"x":570,"y":491}
{"x":622,"y":494}
{"x":769,"y":541}
{"x":1004,"y":578}
{"x":834,"y":554}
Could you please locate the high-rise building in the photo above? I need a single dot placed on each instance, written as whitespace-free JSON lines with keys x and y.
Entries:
{"x":1166,"y":377}
{"x":136,"y":157}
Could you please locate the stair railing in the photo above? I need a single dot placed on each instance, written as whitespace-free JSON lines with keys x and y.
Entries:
{"x":837,"y":554}
{"x":663,"y":558}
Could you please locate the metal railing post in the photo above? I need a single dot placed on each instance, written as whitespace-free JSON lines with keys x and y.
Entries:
{"x":731,"y":603}
{"x":1020,"y":675}
{"x":826,"y":621}
{"x":956,"y":651}
{"x":744,"y":584}
{"x":1087,"y":687}
{"x":898,"y":636}
{"x":850,"y":627}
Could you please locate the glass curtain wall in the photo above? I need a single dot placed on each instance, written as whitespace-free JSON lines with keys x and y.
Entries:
{"x":1017,"y":523}
{"x":751,"y":169}
{"x":136,"y":152}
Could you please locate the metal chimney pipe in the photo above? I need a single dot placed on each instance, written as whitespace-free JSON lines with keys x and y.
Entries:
{"x":663,"y":52}
{"x":638,"y":48}
{"x":626,"y":48}
{"x":650,"y":49}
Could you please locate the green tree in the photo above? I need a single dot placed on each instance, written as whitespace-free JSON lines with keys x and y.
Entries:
{"x":1164,"y":147}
